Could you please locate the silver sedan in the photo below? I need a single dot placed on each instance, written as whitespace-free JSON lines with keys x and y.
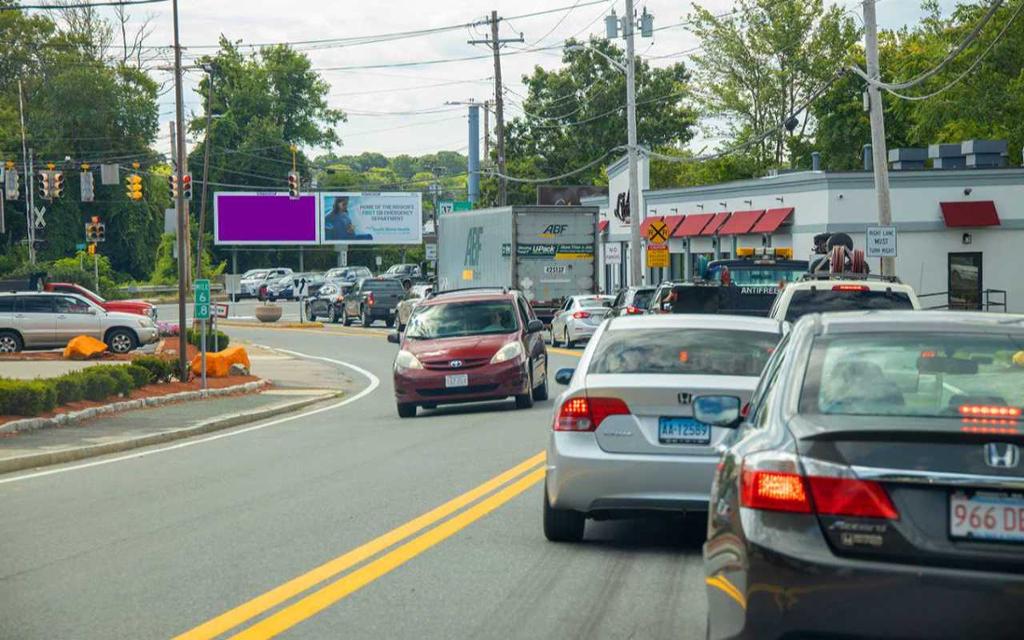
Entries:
{"x":579,"y":318}
{"x":624,"y":437}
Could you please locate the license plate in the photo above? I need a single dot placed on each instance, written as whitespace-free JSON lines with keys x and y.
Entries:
{"x":683,"y":431}
{"x":459,"y":380}
{"x":987,"y":516}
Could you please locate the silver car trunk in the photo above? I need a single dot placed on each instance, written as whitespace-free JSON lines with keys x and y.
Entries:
{"x":651,"y":397}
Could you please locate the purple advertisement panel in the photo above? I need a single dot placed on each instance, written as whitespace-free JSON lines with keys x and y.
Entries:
{"x":264,"y":218}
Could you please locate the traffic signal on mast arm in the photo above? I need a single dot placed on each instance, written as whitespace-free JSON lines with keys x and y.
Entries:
{"x":186,"y":186}
{"x":57,"y":189}
{"x":172,"y":183}
{"x":44,"y":184}
{"x":293,"y":184}
{"x":133,"y":187}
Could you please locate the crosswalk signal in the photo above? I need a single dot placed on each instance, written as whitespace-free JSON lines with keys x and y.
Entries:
{"x":293,"y":184}
{"x":133,"y":186}
{"x":57,"y":190}
{"x":186,"y":186}
{"x":44,"y":185}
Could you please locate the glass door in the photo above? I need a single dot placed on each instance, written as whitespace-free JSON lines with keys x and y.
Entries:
{"x":965,"y":281}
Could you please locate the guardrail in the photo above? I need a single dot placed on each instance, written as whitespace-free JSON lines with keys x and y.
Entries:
{"x":987,"y":301}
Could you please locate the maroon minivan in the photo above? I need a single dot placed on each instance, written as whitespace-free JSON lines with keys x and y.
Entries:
{"x":470,"y":345}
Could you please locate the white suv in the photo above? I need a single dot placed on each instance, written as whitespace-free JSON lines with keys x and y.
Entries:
{"x":841,"y":292}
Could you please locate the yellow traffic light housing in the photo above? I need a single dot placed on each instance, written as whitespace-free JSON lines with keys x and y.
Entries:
{"x":133,"y":187}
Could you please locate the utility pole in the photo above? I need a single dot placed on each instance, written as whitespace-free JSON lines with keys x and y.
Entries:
{"x":499,"y":103}
{"x":183,"y":262}
{"x":635,"y":259}
{"x":878,"y":148}
{"x":30,"y":181}
{"x":206,"y":172}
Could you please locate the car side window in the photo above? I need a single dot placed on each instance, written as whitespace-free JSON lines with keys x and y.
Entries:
{"x":7,"y":304}
{"x":67,"y":304}
{"x":759,"y":400}
{"x":523,"y":313}
{"x":34,"y":304}
{"x":618,"y":300}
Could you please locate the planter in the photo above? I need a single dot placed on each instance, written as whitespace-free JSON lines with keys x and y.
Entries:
{"x":268,"y":313}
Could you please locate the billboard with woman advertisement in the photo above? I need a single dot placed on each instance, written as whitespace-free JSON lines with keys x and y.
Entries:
{"x":371,"y":218}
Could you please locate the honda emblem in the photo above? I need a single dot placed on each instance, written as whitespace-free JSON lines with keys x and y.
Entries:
{"x":455,"y":364}
{"x":685,"y":398}
{"x":1002,"y":455}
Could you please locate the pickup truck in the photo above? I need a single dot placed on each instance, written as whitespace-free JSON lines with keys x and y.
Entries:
{"x":138,"y":307}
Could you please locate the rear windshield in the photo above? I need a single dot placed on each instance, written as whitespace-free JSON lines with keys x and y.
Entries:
{"x":683,"y":351}
{"x":691,"y":299}
{"x":592,"y":303}
{"x":455,"y":319}
{"x":255,"y":275}
{"x":642,"y":298}
{"x":386,"y":286}
{"x":825,"y":300}
{"x":899,"y":374}
{"x":759,"y":276}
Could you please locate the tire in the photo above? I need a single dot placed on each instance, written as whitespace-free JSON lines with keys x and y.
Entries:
{"x":571,"y":344}
{"x":367,"y":318}
{"x":406,"y":410}
{"x":121,"y":340}
{"x":10,"y":342}
{"x":540,"y":394}
{"x":345,"y":320}
{"x":525,"y":400}
{"x":332,"y":314}
{"x":562,"y":525}
{"x":390,"y":322}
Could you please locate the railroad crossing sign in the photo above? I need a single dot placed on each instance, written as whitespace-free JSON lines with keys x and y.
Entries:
{"x":38,"y":213}
{"x":657,"y":232}
{"x":202,"y":296}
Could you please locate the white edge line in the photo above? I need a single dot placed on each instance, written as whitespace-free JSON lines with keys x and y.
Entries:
{"x":374,"y":383}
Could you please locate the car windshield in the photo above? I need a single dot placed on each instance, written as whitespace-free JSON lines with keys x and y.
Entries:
{"x":456,"y":319}
{"x":254,"y":275}
{"x":672,"y":350}
{"x":909,"y":374}
{"x":642,"y":298}
{"x":384,"y":286}
{"x":595,"y":303}
{"x":759,"y":276}
{"x":823,"y":300}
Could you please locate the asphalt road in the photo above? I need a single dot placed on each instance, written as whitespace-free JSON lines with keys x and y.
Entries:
{"x":161,"y":545}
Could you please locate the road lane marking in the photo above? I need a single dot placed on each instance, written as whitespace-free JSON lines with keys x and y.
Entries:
{"x":728,"y":588}
{"x":352,"y":582}
{"x":374,"y":383}
{"x":295,"y":586}
{"x":565,"y":352}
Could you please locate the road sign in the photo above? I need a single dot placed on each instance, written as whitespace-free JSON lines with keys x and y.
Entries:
{"x":220,"y":310}
{"x":463,"y":205}
{"x":613,"y":253}
{"x":657,"y":256}
{"x":657,"y":232}
{"x":80,"y":246}
{"x":379,"y":260}
{"x":445,"y":206}
{"x":342,"y":257}
{"x":38,"y":213}
{"x":202,"y":297}
{"x":302,"y":288}
{"x":880,"y":242}
{"x":431,"y":252}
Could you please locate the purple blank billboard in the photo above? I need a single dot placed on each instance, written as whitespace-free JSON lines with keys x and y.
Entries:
{"x":264,"y":218}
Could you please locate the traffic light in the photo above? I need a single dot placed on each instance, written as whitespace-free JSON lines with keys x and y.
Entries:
{"x":186,"y":186}
{"x":91,"y":233}
{"x":172,"y":182}
{"x":12,"y":181}
{"x":57,"y":189}
{"x":133,"y":184}
{"x":44,"y":185}
{"x":88,"y":189}
{"x":293,"y":184}
{"x":101,"y":232}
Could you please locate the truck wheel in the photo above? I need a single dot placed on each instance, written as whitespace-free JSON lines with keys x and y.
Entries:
{"x":367,"y":319}
{"x":10,"y":342}
{"x":390,"y":322}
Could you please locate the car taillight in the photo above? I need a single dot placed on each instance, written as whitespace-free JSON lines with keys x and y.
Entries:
{"x":587,"y":414}
{"x":580,"y":315}
{"x":631,"y":310}
{"x":369,"y":298}
{"x":988,"y":411}
{"x":850,"y":287}
{"x":774,"y":482}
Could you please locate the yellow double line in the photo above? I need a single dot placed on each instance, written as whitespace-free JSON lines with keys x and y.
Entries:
{"x":509,"y":484}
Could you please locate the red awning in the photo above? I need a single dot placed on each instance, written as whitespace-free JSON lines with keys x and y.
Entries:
{"x":970,"y":214}
{"x":672,"y":222}
{"x":715,"y":223}
{"x":692,"y":225}
{"x":740,"y":222}
{"x":602,"y":226}
{"x":772,"y":220}
{"x":647,"y":223}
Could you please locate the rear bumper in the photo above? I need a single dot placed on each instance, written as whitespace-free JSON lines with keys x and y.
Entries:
{"x":583,"y":477}
{"x":381,"y":312}
{"x":490,"y":382}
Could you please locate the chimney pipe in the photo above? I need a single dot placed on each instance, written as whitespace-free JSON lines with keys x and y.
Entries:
{"x":815,"y":161}
{"x":869,"y":165}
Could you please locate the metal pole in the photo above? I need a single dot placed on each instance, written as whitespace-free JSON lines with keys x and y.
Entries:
{"x":474,"y":153}
{"x":206,"y":174}
{"x":202,"y":365}
{"x":878,"y":148}
{"x":96,"y":270}
{"x":179,"y":107}
{"x":635,"y":257}
{"x":30,"y":185}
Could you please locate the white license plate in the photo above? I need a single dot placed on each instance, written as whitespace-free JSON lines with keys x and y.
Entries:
{"x":683,"y":431}
{"x":987,"y":516}
{"x":460,"y":380}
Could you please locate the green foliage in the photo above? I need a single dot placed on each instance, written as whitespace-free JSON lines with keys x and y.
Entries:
{"x":160,"y":370}
{"x":195,"y":337}
{"x":140,"y":376}
{"x":99,"y":385}
{"x":26,"y":397}
{"x":96,"y":383}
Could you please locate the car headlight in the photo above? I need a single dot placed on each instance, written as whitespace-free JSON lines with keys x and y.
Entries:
{"x":511,"y":351}
{"x":405,"y":360}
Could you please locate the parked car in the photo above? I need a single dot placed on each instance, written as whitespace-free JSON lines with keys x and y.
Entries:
{"x":578,"y":318}
{"x":408,"y":274}
{"x":138,"y":307}
{"x":841,"y":292}
{"x":43,"y":320}
{"x":289,"y":287}
{"x":413,"y":297}
{"x":351,"y":274}
{"x":328,"y":301}
{"x":875,"y":478}
{"x":282,"y":288}
{"x":271,"y":275}
{"x":625,"y":436}
{"x":470,"y":346}
{"x":373,"y":299}
{"x":631,"y":301}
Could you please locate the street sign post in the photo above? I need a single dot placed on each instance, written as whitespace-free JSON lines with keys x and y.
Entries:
{"x":880,"y":242}
{"x":445,"y":206}
{"x":613,"y":253}
{"x":202,"y":313}
{"x":657,"y":232}
{"x":379,"y":260}
{"x":431,"y":252}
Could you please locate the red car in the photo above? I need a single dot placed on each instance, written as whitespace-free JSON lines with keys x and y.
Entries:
{"x":138,"y":307}
{"x":470,"y":345}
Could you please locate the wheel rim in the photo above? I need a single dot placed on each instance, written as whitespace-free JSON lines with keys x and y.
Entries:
{"x":8,"y":344}
{"x":120,"y":343}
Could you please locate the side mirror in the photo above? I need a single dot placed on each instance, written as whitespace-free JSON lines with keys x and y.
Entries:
{"x":534,"y":326}
{"x":717,"y":411}
{"x":394,"y":338}
{"x":564,"y":376}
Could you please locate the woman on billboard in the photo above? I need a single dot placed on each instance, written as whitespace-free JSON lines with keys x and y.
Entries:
{"x":338,"y":223}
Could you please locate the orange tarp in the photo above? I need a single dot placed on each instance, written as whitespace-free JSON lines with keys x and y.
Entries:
{"x":83,"y":348}
{"x":218,"y":363}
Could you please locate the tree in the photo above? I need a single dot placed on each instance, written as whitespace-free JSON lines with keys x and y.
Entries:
{"x":763,"y":60}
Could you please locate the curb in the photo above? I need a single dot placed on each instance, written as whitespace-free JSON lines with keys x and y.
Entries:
{"x":214,"y":424}
{"x":271,"y":325}
{"x":74,"y":417}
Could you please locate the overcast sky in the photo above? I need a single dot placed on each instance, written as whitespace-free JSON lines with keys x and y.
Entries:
{"x":368,"y":95}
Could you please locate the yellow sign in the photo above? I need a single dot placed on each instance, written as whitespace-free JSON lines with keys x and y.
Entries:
{"x":657,"y":232}
{"x":92,"y":249}
{"x":657,"y":256}
{"x":467,"y":274}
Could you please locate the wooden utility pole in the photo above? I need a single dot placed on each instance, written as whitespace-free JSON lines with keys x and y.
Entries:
{"x":495,"y":42}
{"x":877,"y":116}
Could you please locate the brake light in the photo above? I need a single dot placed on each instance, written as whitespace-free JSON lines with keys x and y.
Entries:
{"x":587,"y":414}
{"x":851,"y":497}
{"x":988,"y":411}
{"x":850,"y":287}
{"x":773,"y":491}
{"x":369,"y":298}
{"x":631,"y":310}
{"x":581,"y":314}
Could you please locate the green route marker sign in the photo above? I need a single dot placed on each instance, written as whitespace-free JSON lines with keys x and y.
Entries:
{"x":202,"y":300}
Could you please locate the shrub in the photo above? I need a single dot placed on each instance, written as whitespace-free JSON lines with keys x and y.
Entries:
{"x":25,"y":397}
{"x":123,"y":381}
{"x":195,"y":337}
{"x":159,"y":369}
{"x":70,"y":387}
{"x":99,"y":385}
{"x":141,"y":376}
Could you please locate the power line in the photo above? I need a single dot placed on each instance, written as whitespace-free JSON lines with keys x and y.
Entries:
{"x":558,"y":177}
{"x":81,"y":5}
